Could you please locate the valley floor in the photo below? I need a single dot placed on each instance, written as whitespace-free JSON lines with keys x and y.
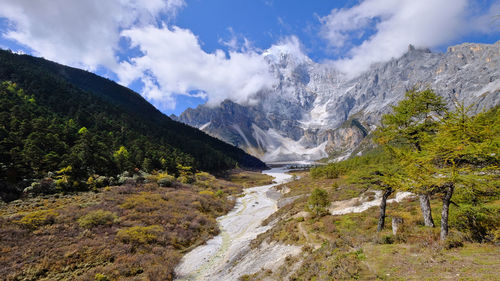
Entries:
{"x":346,"y":246}
{"x":141,"y":232}
{"x":228,"y":256}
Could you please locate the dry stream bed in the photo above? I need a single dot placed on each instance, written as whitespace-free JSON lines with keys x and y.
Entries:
{"x":228,"y":255}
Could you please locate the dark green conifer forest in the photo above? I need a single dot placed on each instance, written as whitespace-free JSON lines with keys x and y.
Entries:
{"x":75,"y":125}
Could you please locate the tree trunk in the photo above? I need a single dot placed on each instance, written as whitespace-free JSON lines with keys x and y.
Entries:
{"x":425,"y":205}
{"x":383,"y":203}
{"x":445,"y":211}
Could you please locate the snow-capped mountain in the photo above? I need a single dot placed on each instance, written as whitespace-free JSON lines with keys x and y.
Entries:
{"x":313,"y":111}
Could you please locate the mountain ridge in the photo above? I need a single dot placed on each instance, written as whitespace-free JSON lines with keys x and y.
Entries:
{"x":304,"y":116}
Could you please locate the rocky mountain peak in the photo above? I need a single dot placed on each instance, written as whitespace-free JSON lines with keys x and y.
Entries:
{"x":313,"y":110}
{"x":411,"y":48}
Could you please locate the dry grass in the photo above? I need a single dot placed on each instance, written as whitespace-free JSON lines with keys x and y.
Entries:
{"x":348,"y":247}
{"x":122,"y":233}
{"x":412,"y":262}
{"x":248,"y":178}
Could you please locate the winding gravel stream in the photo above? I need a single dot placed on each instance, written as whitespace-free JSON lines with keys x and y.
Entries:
{"x":216,"y":260}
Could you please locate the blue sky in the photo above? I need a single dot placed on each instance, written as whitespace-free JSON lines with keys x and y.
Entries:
{"x":262,"y":21}
{"x":179,"y":54}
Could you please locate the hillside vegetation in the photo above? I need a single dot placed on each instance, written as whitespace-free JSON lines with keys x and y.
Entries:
{"x":71,"y":127}
{"x":128,"y":232}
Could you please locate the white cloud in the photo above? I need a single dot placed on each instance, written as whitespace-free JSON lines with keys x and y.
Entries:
{"x":79,"y":33}
{"x":290,"y":45}
{"x":488,"y":22}
{"x":396,"y":24}
{"x":87,"y":34}
{"x":174,"y":63}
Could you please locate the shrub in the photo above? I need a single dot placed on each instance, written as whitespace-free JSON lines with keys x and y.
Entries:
{"x":318,"y":201}
{"x":206,"y":192}
{"x":186,"y":179}
{"x":166,"y":181}
{"x":496,"y":235}
{"x":453,"y":242}
{"x":219,"y":193}
{"x":387,"y":239}
{"x":44,"y":186}
{"x":204,"y":176}
{"x":476,"y":222}
{"x":144,"y":202}
{"x":102,"y":181}
{"x":140,"y":234}
{"x":139,"y":179}
{"x":91,"y":183}
{"x":101,"y":277}
{"x":98,"y":217}
{"x":36,"y":219}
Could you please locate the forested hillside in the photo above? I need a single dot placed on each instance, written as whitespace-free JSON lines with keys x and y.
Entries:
{"x":75,"y":125}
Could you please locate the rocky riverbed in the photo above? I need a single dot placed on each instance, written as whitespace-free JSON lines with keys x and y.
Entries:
{"x":228,"y":255}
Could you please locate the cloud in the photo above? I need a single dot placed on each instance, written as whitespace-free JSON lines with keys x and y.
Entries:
{"x":170,"y":61}
{"x":86,"y":34}
{"x":378,"y":30}
{"x":79,"y":33}
{"x":289,"y":45}
{"x":237,"y":42}
{"x":174,"y":63}
{"x":488,"y":22}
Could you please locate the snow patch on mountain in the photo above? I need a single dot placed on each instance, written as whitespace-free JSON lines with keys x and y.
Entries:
{"x":202,"y":127}
{"x":313,"y":110}
{"x":280,"y":148}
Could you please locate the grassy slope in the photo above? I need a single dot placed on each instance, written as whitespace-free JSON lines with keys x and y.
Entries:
{"x":43,"y":238}
{"x":348,"y":247}
{"x":248,"y":178}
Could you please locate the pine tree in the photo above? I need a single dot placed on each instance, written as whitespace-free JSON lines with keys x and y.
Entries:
{"x":318,"y":201}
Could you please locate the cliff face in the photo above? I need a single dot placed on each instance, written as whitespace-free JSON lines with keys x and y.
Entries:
{"x":314,"y":111}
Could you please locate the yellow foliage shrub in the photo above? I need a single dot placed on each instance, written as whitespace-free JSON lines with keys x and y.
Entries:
{"x":144,"y":201}
{"x":101,"y":277}
{"x":36,"y":219}
{"x":206,"y":192}
{"x":140,"y":234}
{"x":204,"y":176}
{"x":186,"y":179}
{"x":98,"y":217}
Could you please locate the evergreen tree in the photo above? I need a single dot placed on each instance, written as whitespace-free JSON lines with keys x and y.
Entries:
{"x":318,"y":201}
{"x":53,"y":116}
